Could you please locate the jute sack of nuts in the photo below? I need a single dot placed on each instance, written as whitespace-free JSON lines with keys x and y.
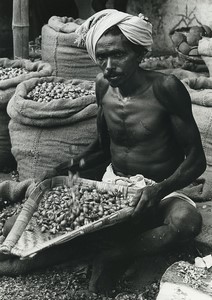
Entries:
{"x":60,"y":209}
{"x":200,"y":90}
{"x":59,"y":48}
{"x":13,"y":72}
{"x":52,"y":121}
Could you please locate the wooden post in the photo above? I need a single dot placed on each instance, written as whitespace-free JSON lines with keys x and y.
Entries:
{"x":20,"y":27}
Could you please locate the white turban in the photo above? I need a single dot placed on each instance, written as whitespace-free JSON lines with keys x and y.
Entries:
{"x":136,"y":29}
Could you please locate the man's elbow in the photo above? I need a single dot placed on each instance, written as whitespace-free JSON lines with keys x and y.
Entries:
{"x":202,"y":164}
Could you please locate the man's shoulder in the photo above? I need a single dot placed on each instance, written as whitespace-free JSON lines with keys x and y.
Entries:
{"x":102,"y":86}
{"x":165,"y":85}
{"x":101,"y":82}
{"x":170,"y":91}
{"x":164,"y":81}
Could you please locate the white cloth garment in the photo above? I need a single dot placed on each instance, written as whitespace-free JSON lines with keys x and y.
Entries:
{"x":138,"y":181}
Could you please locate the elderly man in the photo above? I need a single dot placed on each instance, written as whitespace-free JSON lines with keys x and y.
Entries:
{"x":147,"y":130}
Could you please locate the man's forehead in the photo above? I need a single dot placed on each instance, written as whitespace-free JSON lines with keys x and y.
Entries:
{"x":118,"y":41}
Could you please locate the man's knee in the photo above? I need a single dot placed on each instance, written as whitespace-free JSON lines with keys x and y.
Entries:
{"x":186,"y":222}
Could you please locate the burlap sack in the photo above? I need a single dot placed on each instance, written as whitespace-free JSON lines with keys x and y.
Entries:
{"x":13,"y":192}
{"x":205,"y":46}
{"x":205,"y":50}
{"x":200,"y":90}
{"x":182,"y":74}
{"x":7,"y":89}
{"x":7,"y":161}
{"x":59,"y":48}
{"x":46,"y":134}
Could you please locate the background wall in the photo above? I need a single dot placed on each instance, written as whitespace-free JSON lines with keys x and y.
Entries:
{"x":168,"y":14}
{"x":164,"y":15}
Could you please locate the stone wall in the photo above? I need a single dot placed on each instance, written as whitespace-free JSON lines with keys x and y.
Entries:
{"x":166,"y":15}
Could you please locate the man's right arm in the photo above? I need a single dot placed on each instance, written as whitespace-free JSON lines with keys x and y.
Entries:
{"x":93,"y":156}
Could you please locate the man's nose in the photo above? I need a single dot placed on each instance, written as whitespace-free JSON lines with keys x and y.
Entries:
{"x":108,"y":64}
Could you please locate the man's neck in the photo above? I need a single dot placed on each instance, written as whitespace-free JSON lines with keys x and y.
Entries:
{"x":134,"y":84}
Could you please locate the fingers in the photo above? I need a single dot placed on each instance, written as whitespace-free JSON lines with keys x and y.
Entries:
{"x":140,"y":207}
{"x":146,"y":201}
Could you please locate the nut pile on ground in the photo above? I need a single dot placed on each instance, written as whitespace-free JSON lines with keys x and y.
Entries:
{"x":191,"y":274}
{"x":187,"y":42}
{"x":66,"y":284}
{"x":48,"y":91}
{"x":64,"y":209}
{"x":8,"y":73}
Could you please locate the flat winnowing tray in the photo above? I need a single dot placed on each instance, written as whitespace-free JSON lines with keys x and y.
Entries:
{"x":26,"y":239}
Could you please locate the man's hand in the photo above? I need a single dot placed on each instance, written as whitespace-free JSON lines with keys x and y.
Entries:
{"x":148,"y":199}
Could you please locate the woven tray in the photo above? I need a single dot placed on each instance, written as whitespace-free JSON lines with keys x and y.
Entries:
{"x":25,"y":242}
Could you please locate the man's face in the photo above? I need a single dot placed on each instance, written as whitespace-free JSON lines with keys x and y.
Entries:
{"x":116,"y":58}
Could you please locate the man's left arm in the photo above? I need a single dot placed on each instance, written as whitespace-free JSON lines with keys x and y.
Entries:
{"x":176,"y":100}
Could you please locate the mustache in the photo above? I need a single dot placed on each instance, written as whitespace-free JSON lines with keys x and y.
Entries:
{"x":110,"y":73}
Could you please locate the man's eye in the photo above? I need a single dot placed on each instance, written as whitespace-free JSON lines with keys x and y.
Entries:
{"x":118,"y":55}
{"x":100,"y":58}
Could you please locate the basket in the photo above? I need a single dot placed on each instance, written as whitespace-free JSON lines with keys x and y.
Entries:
{"x":190,"y":58}
{"x":24,"y":242}
{"x":184,"y":57}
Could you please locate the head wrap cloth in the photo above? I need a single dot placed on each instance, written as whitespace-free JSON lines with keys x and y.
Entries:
{"x":136,"y":29}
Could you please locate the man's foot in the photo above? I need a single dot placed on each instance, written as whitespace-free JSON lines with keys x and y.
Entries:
{"x":107,"y":270}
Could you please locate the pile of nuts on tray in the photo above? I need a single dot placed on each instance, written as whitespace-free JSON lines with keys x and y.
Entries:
{"x":191,"y":274}
{"x":48,"y":91}
{"x":8,"y":73}
{"x":64,"y":209}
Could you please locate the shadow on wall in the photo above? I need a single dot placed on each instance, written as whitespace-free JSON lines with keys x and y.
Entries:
{"x":42,"y":10}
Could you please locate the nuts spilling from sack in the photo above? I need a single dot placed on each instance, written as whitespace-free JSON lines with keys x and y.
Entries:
{"x":8,"y":73}
{"x":48,"y":91}
{"x":64,"y":209}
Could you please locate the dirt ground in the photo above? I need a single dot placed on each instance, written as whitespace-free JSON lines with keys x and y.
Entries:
{"x":63,"y":283}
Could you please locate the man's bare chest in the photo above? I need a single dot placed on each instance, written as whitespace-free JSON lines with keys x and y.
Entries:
{"x":137,"y":117}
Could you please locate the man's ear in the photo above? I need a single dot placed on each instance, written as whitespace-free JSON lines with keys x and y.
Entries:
{"x":141,"y":55}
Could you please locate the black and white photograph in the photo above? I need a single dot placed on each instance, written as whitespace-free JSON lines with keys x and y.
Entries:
{"x":105,"y":150}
